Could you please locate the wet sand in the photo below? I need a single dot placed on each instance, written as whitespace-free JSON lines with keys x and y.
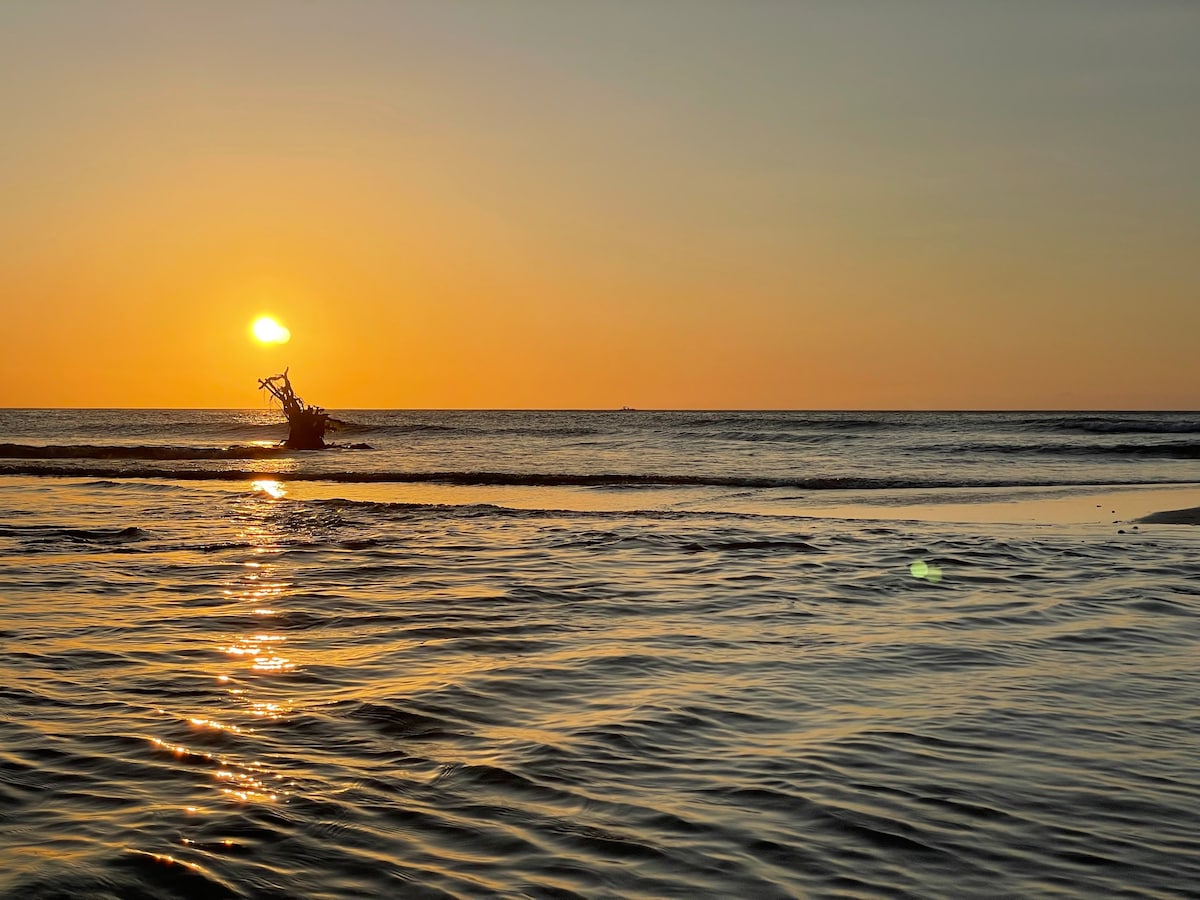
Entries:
{"x":1101,"y":506}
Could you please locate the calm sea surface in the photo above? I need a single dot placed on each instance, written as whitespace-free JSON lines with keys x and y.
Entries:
{"x":593,"y":654}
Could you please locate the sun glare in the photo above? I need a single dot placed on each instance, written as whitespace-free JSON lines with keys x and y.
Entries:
{"x":268,"y":331}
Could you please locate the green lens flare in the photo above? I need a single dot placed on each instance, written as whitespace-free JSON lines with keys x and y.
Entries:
{"x":922,"y":569}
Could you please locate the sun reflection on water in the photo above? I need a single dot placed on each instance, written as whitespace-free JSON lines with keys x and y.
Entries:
{"x":246,"y":784}
{"x":263,"y":657}
{"x":165,"y":859}
{"x":269,"y":486}
{"x":180,"y":751}
{"x":215,"y":725}
{"x":253,"y":676}
{"x":265,"y":709}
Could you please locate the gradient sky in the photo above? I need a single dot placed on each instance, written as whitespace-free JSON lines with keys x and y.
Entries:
{"x":669,"y":203}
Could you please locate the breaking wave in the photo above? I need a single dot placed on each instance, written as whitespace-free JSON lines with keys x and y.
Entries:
{"x":229,"y":429}
{"x":112,"y":451}
{"x":37,"y":534}
{"x":1162,"y":424}
{"x":159,"y":452}
{"x":567,"y":479}
{"x":1162,"y":450}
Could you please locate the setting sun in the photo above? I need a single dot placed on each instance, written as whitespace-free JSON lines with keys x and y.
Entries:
{"x":267,"y":331}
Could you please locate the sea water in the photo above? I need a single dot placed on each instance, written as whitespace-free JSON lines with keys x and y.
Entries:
{"x":595,"y":654}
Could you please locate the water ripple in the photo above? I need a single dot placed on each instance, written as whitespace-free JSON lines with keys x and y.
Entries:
{"x":280,"y":699}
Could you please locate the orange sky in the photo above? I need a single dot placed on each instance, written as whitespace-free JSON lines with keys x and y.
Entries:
{"x":680,"y":205}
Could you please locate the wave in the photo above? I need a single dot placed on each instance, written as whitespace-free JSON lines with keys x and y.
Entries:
{"x":401,"y":429}
{"x":768,"y":437}
{"x":1162,"y":450}
{"x":739,"y":422}
{"x":464,"y":429}
{"x":568,"y":479}
{"x":1163,"y":424}
{"x":782,"y":427}
{"x":727,"y":427}
{"x":40,"y":534}
{"x":112,"y":451}
{"x":158,"y":452}
{"x":217,"y":428}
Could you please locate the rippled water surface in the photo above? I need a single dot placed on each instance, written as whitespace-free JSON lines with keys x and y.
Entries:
{"x":235,"y":688}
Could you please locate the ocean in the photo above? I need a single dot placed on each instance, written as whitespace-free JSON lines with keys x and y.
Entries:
{"x":598,"y":654}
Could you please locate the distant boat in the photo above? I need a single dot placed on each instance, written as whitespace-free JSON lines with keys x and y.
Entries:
{"x":627,"y":409}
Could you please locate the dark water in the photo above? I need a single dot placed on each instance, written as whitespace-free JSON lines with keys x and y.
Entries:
{"x":590,"y":654}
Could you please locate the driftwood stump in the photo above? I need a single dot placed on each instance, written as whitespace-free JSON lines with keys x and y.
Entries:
{"x":306,"y":424}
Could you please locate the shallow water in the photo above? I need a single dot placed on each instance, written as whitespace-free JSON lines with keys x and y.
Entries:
{"x":232,"y":689}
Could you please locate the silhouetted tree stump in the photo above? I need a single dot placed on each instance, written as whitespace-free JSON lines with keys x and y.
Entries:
{"x":306,"y":424}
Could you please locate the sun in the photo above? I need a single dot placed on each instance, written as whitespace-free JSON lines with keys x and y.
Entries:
{"x":268,"y":331}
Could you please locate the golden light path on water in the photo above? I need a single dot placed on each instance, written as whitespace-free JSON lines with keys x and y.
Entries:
{"x":258,"y":651}
{"x":255,"y":663}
